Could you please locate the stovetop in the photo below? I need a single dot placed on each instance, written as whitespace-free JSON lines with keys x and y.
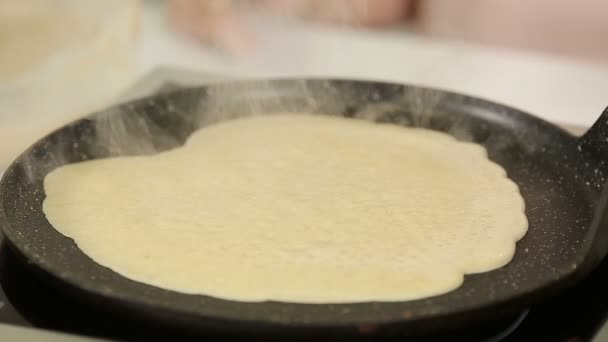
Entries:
{"x":27,"y":302}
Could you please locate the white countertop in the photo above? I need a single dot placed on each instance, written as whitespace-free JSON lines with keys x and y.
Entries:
{"x":555,"y":89}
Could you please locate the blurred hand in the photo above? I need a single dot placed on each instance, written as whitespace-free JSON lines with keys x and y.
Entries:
{"x":211,"y":21}
{"x":371,"y":13}
{"x":218,"y":22}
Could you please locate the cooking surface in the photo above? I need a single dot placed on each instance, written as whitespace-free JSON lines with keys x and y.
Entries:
{"x":39,"y":310}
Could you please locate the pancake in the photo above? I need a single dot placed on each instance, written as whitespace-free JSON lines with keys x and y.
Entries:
{"x":295,"y":208}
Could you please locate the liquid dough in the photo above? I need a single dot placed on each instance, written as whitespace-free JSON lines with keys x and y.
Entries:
{"x":295,"y":208}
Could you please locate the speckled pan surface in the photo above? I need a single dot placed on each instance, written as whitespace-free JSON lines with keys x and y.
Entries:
{"x":560,"y":177}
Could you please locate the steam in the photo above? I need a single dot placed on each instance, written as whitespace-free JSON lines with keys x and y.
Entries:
{"x":165,"y":121}
{"x":130,"y":130}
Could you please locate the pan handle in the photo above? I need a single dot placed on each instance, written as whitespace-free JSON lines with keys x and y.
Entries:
{"x":595,"y":140}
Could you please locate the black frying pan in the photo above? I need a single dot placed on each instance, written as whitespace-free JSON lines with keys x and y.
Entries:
{"x":561,"y":178}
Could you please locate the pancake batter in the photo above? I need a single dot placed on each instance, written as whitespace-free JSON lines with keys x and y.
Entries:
{"x":295,"y":208}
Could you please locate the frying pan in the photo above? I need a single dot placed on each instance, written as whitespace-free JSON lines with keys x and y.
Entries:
{"x":560,"y":176}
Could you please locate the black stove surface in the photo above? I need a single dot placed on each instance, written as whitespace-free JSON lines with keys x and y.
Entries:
{"x":25,"y":300}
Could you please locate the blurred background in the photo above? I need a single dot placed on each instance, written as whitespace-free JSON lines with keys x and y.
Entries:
{"x":62,"y":59}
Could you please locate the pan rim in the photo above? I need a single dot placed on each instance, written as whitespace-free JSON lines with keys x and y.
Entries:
{"x":4,"y":223}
